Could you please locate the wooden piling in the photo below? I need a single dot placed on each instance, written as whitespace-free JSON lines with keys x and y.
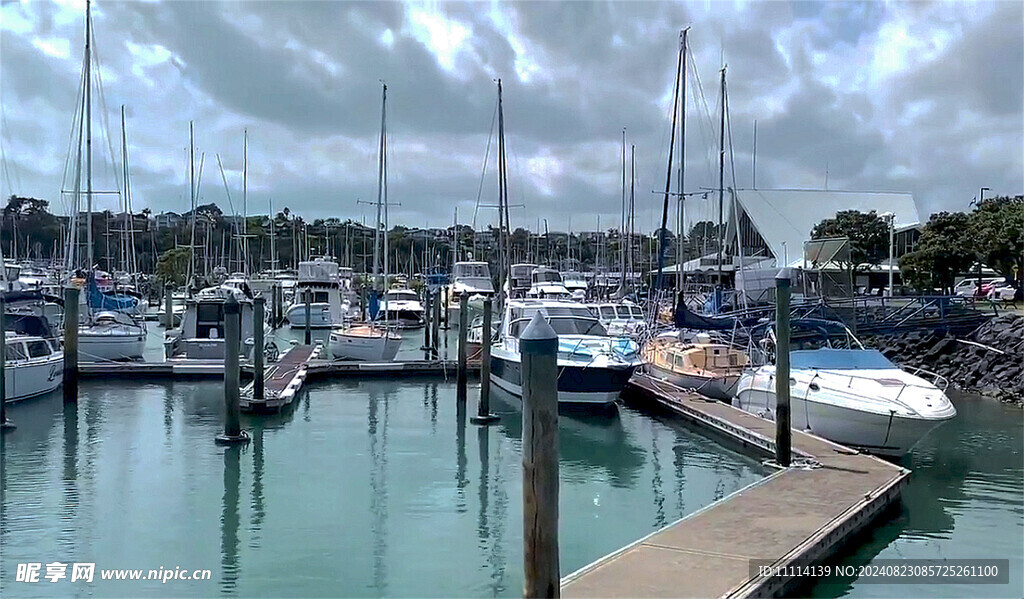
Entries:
{"x":5,"y":424}
{"x":783,"y":432}
{"x":538,"y":346}
{"x":461,"y":386}
{"x":427,"y":316}
{"x":483,"y":415}
{"x":233,"y":432}
{"x":70,"y":344}
{"x":275,"y":307}
{"x":257,"y":348}
{"x":169,"y":307}
{"x":308,"y":297}
{"x":436,"y":331}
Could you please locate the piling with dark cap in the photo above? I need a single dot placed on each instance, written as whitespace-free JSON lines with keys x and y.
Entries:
{"x":538,"y":347}
{"x":257,"y":347}
{"x":483,"y":414}
{"x":461,"y":386}
{"x":233,"y":432}
{"x":783,"y":433}
{"x":70,"y":344}
{"x":5,"y":424}
{"x":308,"y":296}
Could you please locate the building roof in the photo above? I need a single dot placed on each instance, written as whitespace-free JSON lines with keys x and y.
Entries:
{"x":784,"y":217}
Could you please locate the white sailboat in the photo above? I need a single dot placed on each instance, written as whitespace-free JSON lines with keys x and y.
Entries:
{"x":368,"y":341}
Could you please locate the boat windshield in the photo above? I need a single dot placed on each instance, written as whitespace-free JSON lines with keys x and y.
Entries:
{"x":472,"y":271}
{"x":546,"y":276}
{"x":402,"y":296}
{"x":840,"y":359}
{"x":564,"y":325}
{"x":608,"y":312}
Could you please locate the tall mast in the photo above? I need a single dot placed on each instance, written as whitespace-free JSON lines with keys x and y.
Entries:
{"x":668,"y":175}
{"x":632,"y":203}
{"x":622,"y":222}
{"x":273,"y":235}
{"x":192,"y":196}
{"x":721,"y":182}
{"x":88,"y":134}
{"x":384,"y":179}
{"x":502,"y":193}
{"x":380,"y":190}
{"x":125,"y":252}
{"x":681,"y":229}
{"x":245,"y":214}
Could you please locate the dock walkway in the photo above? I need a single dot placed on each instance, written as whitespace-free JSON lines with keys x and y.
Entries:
{"x":282,"y":381}
{"x":797,"y":515}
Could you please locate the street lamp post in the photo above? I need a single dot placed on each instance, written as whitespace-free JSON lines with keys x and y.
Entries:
{"x":892,"y":238}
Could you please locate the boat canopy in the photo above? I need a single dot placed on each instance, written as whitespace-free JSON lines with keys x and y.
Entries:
{"x":840,"y":359}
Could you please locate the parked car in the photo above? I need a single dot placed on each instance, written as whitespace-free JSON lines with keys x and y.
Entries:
{"x":969,"y":287}
{"x":1004,"y":291}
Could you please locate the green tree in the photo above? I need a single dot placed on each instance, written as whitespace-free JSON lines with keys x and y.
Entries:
{"x":997,"y":231}
{"x":173,"y":266}
{"x":944,"y":250}
{"x":868,"y":234}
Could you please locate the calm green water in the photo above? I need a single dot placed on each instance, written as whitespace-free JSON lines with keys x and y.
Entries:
{"x":366,"y":488}
{"x":965,"y":500}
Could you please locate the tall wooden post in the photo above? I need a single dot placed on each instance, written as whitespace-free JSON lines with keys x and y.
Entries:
{"x":483,"y":414}
{"x":461,"y":386}
{"x":538,"y":346}
{"x":233,"y":432}
{"x":783,"y":433}
{"x":258,"y":373}
{"x":70,"y":344}
{"x":274,"y":307}
{"x":427,"y":315}
{"x":308,"y":296}
{"x":5,"y":424}
{"x":435,"y":343}
{"x":169,"y":308}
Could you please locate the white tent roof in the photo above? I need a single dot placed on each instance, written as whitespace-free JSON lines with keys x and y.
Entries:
{"x":786,"y":216}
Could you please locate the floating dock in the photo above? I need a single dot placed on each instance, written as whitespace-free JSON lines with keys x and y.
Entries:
{"x":798,"y":515}
{"x":282,"y":380}
{"x":319,"y":368}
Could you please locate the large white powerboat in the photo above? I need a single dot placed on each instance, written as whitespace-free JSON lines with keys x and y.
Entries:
{"x":200,"y":338}
{"x":519,"y":280}
{"x":620,"y":318}
{"x":852,"y":396}
{"x":593,"y":367}
{"x":472,"y":279}
{"x":318,"y":277}
{"x":401,"y":308}
{"x":547,"y":283}
{"x":33,"y":366}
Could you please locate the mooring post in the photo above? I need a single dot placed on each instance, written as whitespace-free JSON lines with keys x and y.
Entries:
{"x":436,"y":332}
{"x":5,"y":424}
{"x":483,"y":414}
{"x":233,"y":432}
{"x":427,"y":314}
{"x":538,"y":346}
{"x":783,"y":433}
{"x":273,"y":305}
{"x":308,"y":297}
{"x":257,"y":347}
{"x":461,"y":387}
{"x":70,"y":344}
{"x":169,"y":307}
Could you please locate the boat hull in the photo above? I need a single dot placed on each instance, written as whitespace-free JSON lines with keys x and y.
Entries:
{"x":24,"y":381}
{"x":721,"y":388}
{"x":576,"y":384}
{"x":106,"y":347}
{"x":364,"y":349}
{"x":319,"y":315}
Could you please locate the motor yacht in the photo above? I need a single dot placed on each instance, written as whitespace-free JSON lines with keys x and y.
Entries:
{"x":546,"y":283}
{"x":593,"y":366}
{"x":319,"y":278}
{"x":401,"y":308}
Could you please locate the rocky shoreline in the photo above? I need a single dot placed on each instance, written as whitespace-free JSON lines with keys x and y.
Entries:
{"x":990,"y":361}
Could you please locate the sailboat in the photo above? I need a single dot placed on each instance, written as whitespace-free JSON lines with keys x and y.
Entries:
{"x":108,"y":332}
{"x":367,"y":341}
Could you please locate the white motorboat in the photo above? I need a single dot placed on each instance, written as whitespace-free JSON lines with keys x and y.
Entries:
{"x":201,"y":335}
{"x":319,"y":278}
{"x":519,"y":280}
{"x":471,"y":278}
{"x":364,"y":343}
{"x":593,"y":367}
{"x":621,"y":318}
{"x":576,"y":283}
{"x":852,"y":396}
{"x":401,"y":308}
{"x":32,"y":366}
{"x":546,"y":283}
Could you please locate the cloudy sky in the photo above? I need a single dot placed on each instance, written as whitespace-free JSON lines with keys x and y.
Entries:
{"x":893,"y":96}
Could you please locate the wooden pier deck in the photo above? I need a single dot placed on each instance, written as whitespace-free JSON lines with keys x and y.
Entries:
{"x":282,"y":380}
{"x":797,"y":515}
{"x":318,"y":368}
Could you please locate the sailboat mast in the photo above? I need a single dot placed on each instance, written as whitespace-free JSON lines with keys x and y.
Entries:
{"x":681,"y":212}
{"x":502,"y":192}
{"x":125,"y":253}
{"x":622,"y":215}
{"x":245,"y":194}
{"x":192,"y":196}
{"x":721,"y":182}
{"x":668,"y":175}
{"x":273,"y":235}
{"x":380,"y":190}
{"x":384,"y":178}
{"x":88,"y":133}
